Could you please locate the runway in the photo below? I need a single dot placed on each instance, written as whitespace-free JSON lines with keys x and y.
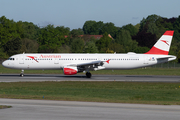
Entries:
{"x":56,"y":77}
{"x":72,"y":110}
{"x":67,"y":110}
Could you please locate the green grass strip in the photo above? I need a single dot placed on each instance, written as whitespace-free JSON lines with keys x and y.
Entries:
{"x":4,"y":106}
{"x":113,"y":92}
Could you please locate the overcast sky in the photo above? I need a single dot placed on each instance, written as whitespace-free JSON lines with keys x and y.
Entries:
{"x":74,"y":13}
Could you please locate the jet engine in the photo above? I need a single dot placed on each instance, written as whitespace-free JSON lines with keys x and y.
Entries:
{"x":70,"y":70}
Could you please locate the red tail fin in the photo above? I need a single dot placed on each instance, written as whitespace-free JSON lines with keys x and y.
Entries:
{"x":162,"y":46}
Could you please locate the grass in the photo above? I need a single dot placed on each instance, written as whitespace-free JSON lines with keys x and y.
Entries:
{"x":117,"y":92}
{"x":140,"y":71}
{"x":113,"y":92}
{"x":4,"y":106}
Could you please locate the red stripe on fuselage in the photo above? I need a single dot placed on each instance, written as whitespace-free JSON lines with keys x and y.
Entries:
{"x":157,"y":51}
{"x":32,"y":58}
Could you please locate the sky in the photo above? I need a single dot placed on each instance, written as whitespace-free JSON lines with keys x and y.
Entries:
{"x":74,"y":13}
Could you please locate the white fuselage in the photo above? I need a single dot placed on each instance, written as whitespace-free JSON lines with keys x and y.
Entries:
{"x":58,"y":61}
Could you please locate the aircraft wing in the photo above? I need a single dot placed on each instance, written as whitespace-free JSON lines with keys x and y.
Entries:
{"x":93,"y":65}
{"x":99,"y":62}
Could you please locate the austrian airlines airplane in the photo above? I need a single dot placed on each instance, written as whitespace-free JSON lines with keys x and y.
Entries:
{"x":74,"y":63}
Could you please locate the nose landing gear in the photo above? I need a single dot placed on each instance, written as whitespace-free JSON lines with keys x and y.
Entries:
{"x":22,"y":73}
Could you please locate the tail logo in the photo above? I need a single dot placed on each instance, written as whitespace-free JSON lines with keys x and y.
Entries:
{"x":165,"y":42}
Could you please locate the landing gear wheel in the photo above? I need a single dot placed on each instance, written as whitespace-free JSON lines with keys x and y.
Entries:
{"x":88,"y":75}
{"x":22,"y":73}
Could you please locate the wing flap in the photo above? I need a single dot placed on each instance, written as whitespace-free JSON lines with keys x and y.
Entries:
{"x":86,"y":64}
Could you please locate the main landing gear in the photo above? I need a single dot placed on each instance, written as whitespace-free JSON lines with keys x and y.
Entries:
{"x":88,"y":75}
{"x":22,"y":73}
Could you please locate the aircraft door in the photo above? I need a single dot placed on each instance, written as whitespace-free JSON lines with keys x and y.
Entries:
{"x":99,"y":58}
{"x":146,"y":60}
{"x":21,"y":59}
{"x":56,"y":61}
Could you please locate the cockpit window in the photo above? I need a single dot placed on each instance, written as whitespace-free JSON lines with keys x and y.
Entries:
{"x":11,"y":59}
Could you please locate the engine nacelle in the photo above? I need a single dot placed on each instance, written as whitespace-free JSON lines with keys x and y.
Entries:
{"x":70,"y":70}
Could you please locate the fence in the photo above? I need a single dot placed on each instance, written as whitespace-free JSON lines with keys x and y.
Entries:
{"x":167,"y":65}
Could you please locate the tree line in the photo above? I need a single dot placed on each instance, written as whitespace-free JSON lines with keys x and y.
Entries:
{"x":19,"y":37}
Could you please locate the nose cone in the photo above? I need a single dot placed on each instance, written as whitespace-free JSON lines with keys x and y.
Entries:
{"x":8,"y":64}
{"x":4,"y":64}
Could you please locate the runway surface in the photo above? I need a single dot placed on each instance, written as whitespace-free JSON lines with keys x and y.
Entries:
{"x":50,"y":77}
{"x":67,"y":110}
{"x":71,"y":110}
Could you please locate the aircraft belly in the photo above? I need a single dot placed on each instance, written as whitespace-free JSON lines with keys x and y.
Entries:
{"x":40,"y":66}
{"x":124,"y":65}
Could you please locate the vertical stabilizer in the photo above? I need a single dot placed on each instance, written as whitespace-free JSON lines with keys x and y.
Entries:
{"x":162,"y":46}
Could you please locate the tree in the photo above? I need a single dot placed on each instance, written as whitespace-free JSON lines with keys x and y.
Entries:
{"x":77,"y":32}
{"x":29,"y":46}
{"x":149,"y":24}
{"x":137,"y":26}
{"x":132,"y":30}
{"x":145,"y":39}
{"x":124,"y":38}
{"x":63,"y":30}
{"x":103,"y":43}
{"x":50,"y":39}
{"x":90,"y":47}
{"x":8,"y":30}
{"x":142,"y":49}
{"x":176,"y":26}
{"x":13,"y":46}
{"x":4,"y":35}
{"x":109,"y":28}
{"x":77,"y":45}
{"x":30,"y":30}
{"x":3,"y":54}
{"x":118,"y":48}
{"x":152,"y":28}
{"x":64,"y":49}
{"x":96,"y":28}
{"x":178,"y":56}
{"x":165,"y":23}
{"x":87,"y":26}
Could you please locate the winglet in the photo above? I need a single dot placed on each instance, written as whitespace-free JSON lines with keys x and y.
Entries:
{"x":162,"y":46}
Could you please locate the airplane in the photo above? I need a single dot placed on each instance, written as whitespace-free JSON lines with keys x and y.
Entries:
{"x":75,"y":63}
